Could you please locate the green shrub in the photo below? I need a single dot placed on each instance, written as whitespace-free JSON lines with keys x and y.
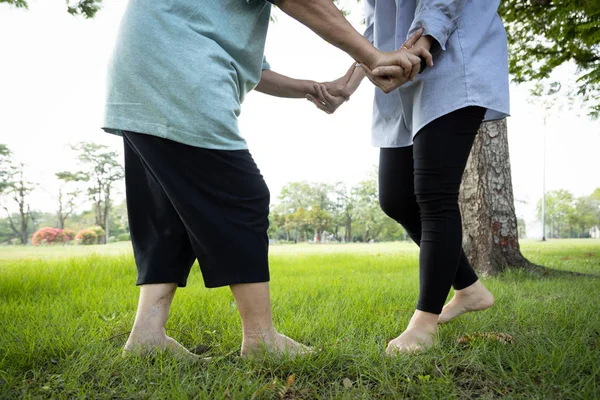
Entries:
{"x":86,"y":237}
{"x":124,"y":237}
{"x":99,"y":233}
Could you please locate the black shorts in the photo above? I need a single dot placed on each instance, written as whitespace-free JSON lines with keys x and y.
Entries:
{"x":186,"y":203}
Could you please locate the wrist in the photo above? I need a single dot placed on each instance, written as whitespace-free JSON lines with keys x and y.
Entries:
{"x":370,"y":58}
{"x":426,"y":41}
{"x":308,"y":87}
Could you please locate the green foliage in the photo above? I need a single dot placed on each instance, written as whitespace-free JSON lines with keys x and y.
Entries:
{"x":544,"y":34}
{"x":349,"y":214}
{"x":65,"y":320}
{"x":16,"y":3}
{"x":86,"y":237}
{"x":101,"y":170}
{"x":567,"y":216}
{"x":87,"y":8}
{"x":99,"y":233}
{"x":124,"y":237}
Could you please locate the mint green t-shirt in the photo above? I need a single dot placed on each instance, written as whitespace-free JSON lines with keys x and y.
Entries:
{"x":181,"y":69}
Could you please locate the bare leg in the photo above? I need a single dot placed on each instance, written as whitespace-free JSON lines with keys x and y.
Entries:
{"x":473,"y":298}
{"x":259,"y":333}
{"x":418,"y":335}
{"x":148,"y":331}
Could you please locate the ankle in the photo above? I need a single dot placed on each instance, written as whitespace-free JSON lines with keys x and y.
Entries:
{"x":147,"y":330}
{"x":469,"y":290}
{"x":424,"y":321}
{"x":259,"y":333}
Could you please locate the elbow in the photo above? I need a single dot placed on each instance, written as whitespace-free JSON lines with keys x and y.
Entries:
{"x":281,"y":3}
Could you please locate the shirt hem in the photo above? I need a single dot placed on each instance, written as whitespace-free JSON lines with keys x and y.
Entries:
{"x":115,"y":126}
{"x":499,"y":115}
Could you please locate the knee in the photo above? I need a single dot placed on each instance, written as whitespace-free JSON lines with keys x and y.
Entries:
{"x":397,"y":207}
{"x":437,"y":202}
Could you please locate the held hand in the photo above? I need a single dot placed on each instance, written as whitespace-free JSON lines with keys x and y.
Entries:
{"x":338,"y":87}
{"x":396,"y":68}
{"x":325,"y":101}
{"x":393,"y":75}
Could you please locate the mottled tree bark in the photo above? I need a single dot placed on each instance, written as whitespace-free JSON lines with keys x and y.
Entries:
{"x":490,"y":236}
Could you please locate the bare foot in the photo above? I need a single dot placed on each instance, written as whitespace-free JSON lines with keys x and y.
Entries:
{"x":147,"y":342}
{"x":473,"y":298}
{"x":272,"y":342}
{"x":419,"y":334}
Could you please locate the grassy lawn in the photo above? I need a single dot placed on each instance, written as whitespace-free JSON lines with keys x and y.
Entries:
{"x":65,"y":311}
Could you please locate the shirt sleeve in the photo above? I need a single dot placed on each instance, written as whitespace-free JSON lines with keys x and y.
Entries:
{"x":438,"y":18}
{"x":265,"y":64}
{"x":369,"y":19}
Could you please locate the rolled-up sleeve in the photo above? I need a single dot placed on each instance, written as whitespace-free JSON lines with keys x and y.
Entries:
{"x":265,"y":63}
{"x":438,"y":18}
{"x":369,"y":19}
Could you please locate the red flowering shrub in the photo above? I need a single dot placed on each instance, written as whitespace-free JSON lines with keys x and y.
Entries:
{"x":69,"y":233}
{"x":99,"y":233}
{"x":48,"y":236}
{"x":86,"y":237}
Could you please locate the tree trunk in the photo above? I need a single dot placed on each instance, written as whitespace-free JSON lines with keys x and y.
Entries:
{"x":106,"y":214}
{"x":490,"y":237}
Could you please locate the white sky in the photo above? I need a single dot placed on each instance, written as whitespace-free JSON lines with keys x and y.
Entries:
{"x":52,"y":85}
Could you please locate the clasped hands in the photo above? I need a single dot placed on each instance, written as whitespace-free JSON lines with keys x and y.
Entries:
{"x":389,"y":71}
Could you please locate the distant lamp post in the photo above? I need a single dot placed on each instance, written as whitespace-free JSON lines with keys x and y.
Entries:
{"x":544,"y":184}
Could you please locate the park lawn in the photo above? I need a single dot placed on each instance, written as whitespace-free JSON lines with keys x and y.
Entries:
{"x":65,"y":312}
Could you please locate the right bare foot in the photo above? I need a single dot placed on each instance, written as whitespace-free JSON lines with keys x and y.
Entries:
{"x":473,"y":298}
{"x":272,"y":342}
{"x":146,"y":342}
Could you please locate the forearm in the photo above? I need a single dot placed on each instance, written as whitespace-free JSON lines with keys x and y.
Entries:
{"x":356,"y":78}
{"x":324,"y":18}
{"x":439,"y":19}
{"x":278,"y":85}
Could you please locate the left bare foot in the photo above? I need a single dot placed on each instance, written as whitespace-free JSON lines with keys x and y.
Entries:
{"x":473,"y":298}
{"x":273,"y":342}
{"x":419,"y":334}
{"x":145,"y":342}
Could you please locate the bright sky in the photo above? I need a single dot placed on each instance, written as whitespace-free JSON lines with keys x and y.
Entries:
{"x":52,"y":85}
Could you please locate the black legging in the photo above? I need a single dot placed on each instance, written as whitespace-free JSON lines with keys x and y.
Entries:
{"x":423,"y":198}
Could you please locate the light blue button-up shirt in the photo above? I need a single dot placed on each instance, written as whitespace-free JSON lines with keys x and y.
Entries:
{"x":470,"y":63}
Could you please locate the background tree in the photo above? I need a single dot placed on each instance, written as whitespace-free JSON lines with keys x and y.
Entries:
{"x":87,"y":8}
{"x":367,"y":213}
{"x":17,"y":189}
{"x":319,"y":220}
{"x":6,"y":167}
{"x":68,"y":196}
{"x":567,"y":216}
{"x":101,"y":170}
{"x":343,"y":211}
{"x":545,"y":34}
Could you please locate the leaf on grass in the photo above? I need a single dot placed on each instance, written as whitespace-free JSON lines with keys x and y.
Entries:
{"x":492,"y":336}
{"x":200,"y":349}
{"x":226,"y":395}
{"x":291,"y":380}
{"x":347,"y":383}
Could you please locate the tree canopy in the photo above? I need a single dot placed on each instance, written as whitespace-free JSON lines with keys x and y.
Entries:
{"x":86,"y":8}
{"x":545,"y":34}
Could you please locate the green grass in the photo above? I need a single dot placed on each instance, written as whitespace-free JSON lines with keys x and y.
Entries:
{"x":64,"y":310}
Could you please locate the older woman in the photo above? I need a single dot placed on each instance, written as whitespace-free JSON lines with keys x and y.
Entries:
{"x":425,"y":130}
